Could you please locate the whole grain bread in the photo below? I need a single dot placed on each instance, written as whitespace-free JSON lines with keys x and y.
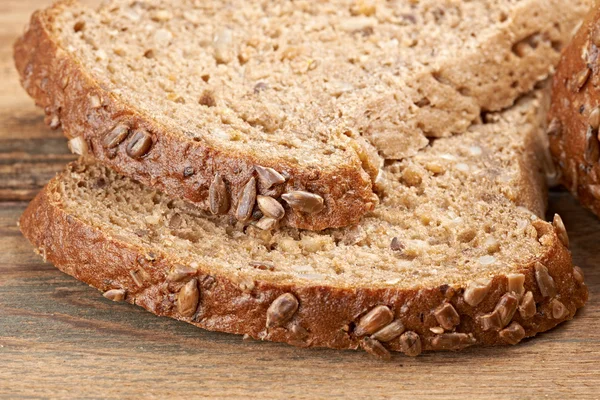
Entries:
{"x":456,"y":253}
{"x":200,"y":94}
{"x":575,"y":114}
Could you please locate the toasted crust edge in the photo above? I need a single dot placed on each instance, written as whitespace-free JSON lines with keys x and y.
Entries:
{"x":569,"y":115}
{"x":328,"y":313}
{"x":60,"y":85}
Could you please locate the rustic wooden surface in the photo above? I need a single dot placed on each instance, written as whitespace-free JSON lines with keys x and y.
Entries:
{"x":60,"y":338}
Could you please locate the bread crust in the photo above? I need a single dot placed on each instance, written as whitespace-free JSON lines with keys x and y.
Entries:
{"x":569,"y":117}
{"x":328,"y":314}
{"x":61,"y":86}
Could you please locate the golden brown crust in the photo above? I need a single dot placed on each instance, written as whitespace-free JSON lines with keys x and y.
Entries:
{"x":326,"y":314}
{"x":575,"y":95}
{"x":183,"y":169}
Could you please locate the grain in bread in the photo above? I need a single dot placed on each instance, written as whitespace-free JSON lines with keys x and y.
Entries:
{"x":473,"y":262}
{"x":174,"y":95}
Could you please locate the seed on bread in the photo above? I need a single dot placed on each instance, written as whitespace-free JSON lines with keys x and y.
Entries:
{"x":281,"y":310}
{"x":594,"y":118}
{"x":447,"y":316}
{"x":246,"y":201}
{"x":559,"y":311}
{"x":410,"y":344}
{"x":389,"y":332}
{"x":554,"y":128}
{"x":374,"y":320}
{"x":218,"y":196}
{"x":476,"y":291}
{"x":115,"y":136}
{"x":95,"y":101}
{"x":115,"y":294}
{"x":560,"y":229}
{"x":592,"y":146}
{"x":580,"y":79}
{"x":544,"y":280}
{"x":578,"y":274}
{"x":268,"y":177}
{"x":452,"y":341}
{"x":516,"y":284}
{"x":270,"y":207}
{"x":502,"y":314}
{"x":513,"y":333}
{"x":303,"y":201}
{"x":266,"y":223}
{"x":375,"y":348}
{"x":180,"y":272}
{"x":527,"y":308}
{"x":78,"y":146}
{"x":139,"y":144}
{"x":188,"y":298}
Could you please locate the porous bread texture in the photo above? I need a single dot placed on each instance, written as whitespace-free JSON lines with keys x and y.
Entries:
{"x":224,"y":86}
{"x":575,"y":115}
{"x":459,"y":211}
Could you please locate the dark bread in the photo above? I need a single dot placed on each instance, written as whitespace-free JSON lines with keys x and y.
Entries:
{"x":516,"y":43}
{"x":575,"y":114}
{"x":338,"y":288}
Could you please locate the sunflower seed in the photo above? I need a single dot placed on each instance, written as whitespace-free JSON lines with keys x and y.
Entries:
{"x":527,"y":309}
{"x":78,"y":146}
{"x":374,"y":320}
{"x":592,"y":147}
{"x":180,"y":272}
{"x":410,"y":344}
{"x":580,"y":79}
{"x":476,"y":291}
{"x":115,"y":294}
{"x":516,"y":284}
{"x":115,"y":136}
{"x":447,"y":316}
{"x":270,"y":207}
{"x":268,"y":177}
{"x":304,"y":201}
{"x":375,"y":348}
{"x":544,"y":280}
{"x":281,"y":310}
{"x":559,"y":311}
{"x":578,"y":274}
{"x":188,"y":298}
{"x":266,"y":223}
{"x":218,"y":196}
{"x":389,"y":332}
{"x":246,"y":201}
{"x":502,"y":314}
{"x":139,"y":144}
{"x":594,"y":118}
{"x":452,"y":341}
{"x":554,"y":128}
{"x":560,"y":229}
{"x":513,"y":333}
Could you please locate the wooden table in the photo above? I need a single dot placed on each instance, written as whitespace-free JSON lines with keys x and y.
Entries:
{"x":60,"y":338}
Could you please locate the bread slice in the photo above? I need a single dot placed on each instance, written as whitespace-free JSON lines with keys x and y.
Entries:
{"x":455,"y":255}
{"x":186,"y":95}
{"x":575,"y":115}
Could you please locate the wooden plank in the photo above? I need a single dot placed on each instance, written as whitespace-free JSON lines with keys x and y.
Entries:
{"x":61,"y":337}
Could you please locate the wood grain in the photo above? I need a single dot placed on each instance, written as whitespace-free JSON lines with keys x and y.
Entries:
{"x":61,"y":339}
